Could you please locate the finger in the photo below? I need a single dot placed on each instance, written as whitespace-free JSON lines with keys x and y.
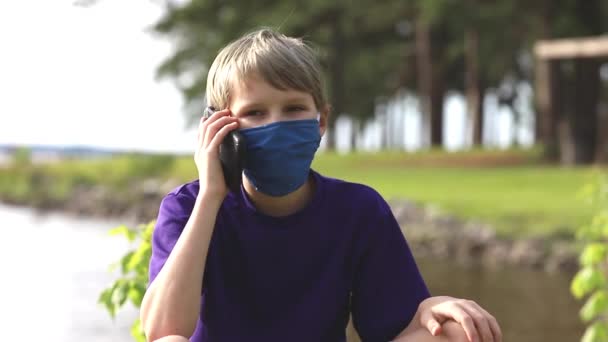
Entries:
{"x":428,"y":317}
{"x":430,"y":322}
{"x":460,"y":315}
{"x":209,"y":129}
{"x":494,"y":326}
{"x":215,"y":127}
{"x":434,"y":327}
{"x":480,"y":319}
{"x":496,"y":331}
{"x":205,"y":122}
{"x":218,"y":113}
{"x":221,"y":134}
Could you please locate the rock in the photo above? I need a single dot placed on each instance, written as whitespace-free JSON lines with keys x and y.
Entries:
{"x":563,"y":258}
{"x":528,"y":252}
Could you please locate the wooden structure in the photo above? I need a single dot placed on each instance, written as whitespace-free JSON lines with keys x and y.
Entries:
{"x":572,"y":48}
{"x":570,"y":114}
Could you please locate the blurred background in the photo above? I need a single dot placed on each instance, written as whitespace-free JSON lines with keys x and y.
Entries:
{"x":483,"y":123}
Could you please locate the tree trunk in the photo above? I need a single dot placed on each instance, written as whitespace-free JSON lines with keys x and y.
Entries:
{"x":474,"y":89}
{"x":424,"y":77}
{"x":548,"y":106}
{"x":584,"y":118}
{"x":354,"y":133}
{"x":437,"y":95}
{"x":601,"y":155}
{"x":583,"y":113}
{"x":430,"y":86}
{"x":548,"y":92}
{"x":578,"y":126}
{"x":336,"y":69}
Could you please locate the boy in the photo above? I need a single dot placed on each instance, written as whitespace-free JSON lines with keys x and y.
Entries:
{"x":291,"y":254}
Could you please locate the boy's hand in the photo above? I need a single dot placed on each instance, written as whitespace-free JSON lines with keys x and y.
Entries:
{"x":478,"y":324}
{"x":210,"y":135}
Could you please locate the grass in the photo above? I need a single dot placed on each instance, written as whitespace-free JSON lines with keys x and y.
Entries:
{"x":512,"y":190}
{"x":518,"y":200}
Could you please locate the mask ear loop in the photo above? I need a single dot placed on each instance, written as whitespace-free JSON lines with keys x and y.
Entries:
{"x":318,"y":116}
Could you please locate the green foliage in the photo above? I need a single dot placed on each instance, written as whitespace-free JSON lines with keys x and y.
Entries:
{"x":374,"y":41}
{"x":131,"y":285}
{"x":597,"y":332}
{"x":22,"y":157}
{"x":56,"y":182}
{"x":351,"y":38}
{"x":591,"y":280}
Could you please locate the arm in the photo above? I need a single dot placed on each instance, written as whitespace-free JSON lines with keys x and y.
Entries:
{"x":171,"y":305}
{"x":390,"y":298}
{"x":388,"y":287}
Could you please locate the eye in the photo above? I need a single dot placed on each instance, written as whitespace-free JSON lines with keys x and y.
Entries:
{"x":254,"y":113}
{"x":295,"y":108}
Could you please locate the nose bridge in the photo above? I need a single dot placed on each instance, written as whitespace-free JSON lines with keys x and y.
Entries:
{"x":275,"y":113}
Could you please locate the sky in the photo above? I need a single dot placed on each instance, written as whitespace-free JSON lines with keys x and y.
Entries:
{"x":74,"y":75}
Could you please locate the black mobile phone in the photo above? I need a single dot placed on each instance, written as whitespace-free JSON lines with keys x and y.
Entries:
{"x":232,"y":156}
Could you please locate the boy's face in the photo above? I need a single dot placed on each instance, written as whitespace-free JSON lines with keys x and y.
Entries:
{"x":255,"y":103}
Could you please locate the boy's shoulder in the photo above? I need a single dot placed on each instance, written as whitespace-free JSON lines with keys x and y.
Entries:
{"x":352,"y":193}
{"x":188,"y":189}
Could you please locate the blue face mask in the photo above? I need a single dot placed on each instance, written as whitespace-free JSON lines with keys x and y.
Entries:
{"x":279,"y":155}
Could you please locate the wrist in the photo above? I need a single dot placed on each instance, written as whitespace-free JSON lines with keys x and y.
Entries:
{"x":210,"y":198}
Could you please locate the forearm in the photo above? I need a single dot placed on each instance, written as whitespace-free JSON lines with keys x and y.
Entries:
{"x":171,"y":305}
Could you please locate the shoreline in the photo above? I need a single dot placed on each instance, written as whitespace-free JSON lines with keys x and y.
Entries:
{"x":429,"y":233}
{"x":474,"y":244}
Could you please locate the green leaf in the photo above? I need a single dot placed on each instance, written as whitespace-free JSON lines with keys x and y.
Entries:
{"x":148,"y":231}
{"x":136,"y":294}
{"x":106,"y":300}
{"x":125,"y":262}
{"x":119,"y":295}
{"x":597,"y":332}
{"x":138,"y":257}
{"x":134,"y":265}
{"x":593,"y":254}
{"x":596,"y":305}
{"x":123,"y":230}
{"x":137,"y":332}
{"x":586,"y":280}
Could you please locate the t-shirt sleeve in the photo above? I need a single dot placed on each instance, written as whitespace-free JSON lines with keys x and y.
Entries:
{"x":173,"y":214}
{"x":388,"y":286}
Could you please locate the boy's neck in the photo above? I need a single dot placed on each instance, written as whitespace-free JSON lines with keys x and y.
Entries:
{"x":284,"y":205}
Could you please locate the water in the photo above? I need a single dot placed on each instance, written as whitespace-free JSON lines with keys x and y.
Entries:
{"x":55,"y":266}
{"x":530,"y":306}
{"x":53,"y":269}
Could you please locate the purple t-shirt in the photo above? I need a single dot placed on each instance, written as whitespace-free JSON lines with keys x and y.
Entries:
{"x":291,"y":278}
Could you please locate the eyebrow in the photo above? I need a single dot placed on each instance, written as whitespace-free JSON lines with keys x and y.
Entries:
{"x":248,"y":106}
{"x":296,"y":99}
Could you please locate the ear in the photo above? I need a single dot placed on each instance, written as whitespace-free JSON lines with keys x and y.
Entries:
{"x":323,"y":118}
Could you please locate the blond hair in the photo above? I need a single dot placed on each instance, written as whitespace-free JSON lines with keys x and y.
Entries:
{"x":284,"y":62}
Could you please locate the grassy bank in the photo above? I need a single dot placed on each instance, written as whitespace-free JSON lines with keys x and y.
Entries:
{"x":512,"y":190}
{"x":525,"y":198}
